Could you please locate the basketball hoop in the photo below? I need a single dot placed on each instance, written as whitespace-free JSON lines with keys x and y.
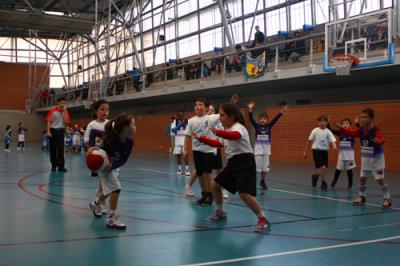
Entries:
{"x":343,"y":64}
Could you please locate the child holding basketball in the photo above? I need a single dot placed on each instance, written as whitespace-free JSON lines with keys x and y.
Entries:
{"x":346,"y":161}
{"x":320,"y":138}
{"x":178,"y":127}
{"x":118,"y":144}
{"x":240,"y":172}
{"x":262,"y":146}
{"x":372,"y":156}
{"x":93,"y":138}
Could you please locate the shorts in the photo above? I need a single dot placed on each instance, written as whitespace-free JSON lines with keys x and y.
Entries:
{"x":320,"y":158}
{"x":377,"y":174}
{"x":178,"y":150}
{"x":203,"y":162}
{"x":110,"y":181}
{"x":239,"y":175}
{"x":76,"y":140}
{"x":21,"y":138}
{"x":218,"y":160}
{"x":262,"y":163}
{"x":345,"y":165}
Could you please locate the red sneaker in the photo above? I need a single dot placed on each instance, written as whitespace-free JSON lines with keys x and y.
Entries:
{"x":262,"y":226}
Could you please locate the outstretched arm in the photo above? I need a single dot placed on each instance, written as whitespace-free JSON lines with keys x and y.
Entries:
{"x":210,"y":142}
{"x":251,"y":106}
{"x":279,"y":115}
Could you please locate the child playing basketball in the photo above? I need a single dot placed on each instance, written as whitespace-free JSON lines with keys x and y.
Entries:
{"x":8,"y":138}
{"x":372,"y":156}
{"x":93,"y":138}
{"x":21,"y":137}
{"x":240,"y":172}
{"x":346,"y":161}
{"x":118,"y":144}
{"x":320,"y":138}
{"x":178,"y":130}
{"x":203,"y":155}
{"x":262,"y":146}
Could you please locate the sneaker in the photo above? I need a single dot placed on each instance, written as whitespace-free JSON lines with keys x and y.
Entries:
{"x":200,"y":201}
{"x":7,"y":150}
{"x":103,"y":207}
{"x":189,"y":191}
{"x":96,"y":209}
{"x":18,"y":149}
{"x":387,"y":204}
{"x":188,"y":173}
{"x":179,"y":172}
{"x":359,"y":201}
{"x":324,"y":186}
{"x":263,"y":185}
{"x":225,"y":194}
{"x":262,"y":226}
{"x":314,"y":180}
{"x":218,"y":215}
{"x":207,"y":201}
{"x":62,"y":170}
{"x":114,"y":223}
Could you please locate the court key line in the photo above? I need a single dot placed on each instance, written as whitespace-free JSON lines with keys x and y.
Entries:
{"x":299,"y":251}
{"x":327,"y":198}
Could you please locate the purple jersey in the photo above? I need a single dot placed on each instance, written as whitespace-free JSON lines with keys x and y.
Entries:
{"x":263,"y":135}
{"x":119,"y":151}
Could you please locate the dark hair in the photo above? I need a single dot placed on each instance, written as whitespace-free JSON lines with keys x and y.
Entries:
{"x":322,"y":118}
{"x":369,"y":112}
{"x":263,"y":114}
{"x":180,"y":111}
{"x":232,"y":110}
{"x":19,"y":124}
{"x":61,"y":99}
{"x":215,"y":107}
{"x":203,"y":100}
{"x":115,"y":126}
{"x":348,"y":120}
{"x":97,"y":105}
{"x":8,"y":127}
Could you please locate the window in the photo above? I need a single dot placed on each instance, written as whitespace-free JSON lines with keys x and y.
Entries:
{"x":188,"y":25}
{"x":211,"y":39}
{"x":300,"y":14}
{"x":189,"y":46}
{"x":387,"y":3}
{"x":170,"y":32}
{"x":171,"y":51}
{"x":259,"y":21}
{"x":148,"y":58}
{"x":235,"y":8}
{"x":321,"y":11}
{"x":251,"y":5}
{"x":210,"y":17}
{"x":276,"y":21}
{"x":354,"y":8}
{"x":271,"y":3}
{"x":160,"y":55}
{"x":204,"y":3}
{"x":237,"y":29}
{"x":186,"y":7}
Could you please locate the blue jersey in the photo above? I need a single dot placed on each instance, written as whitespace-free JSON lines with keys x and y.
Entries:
{"x":119,"y":151}
{"x":263,"y":135}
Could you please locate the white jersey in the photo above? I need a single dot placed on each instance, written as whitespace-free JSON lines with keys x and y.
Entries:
{"x":321,"y":138}
{"x":201,"y":125}
{"x":179,"y":135}
{"x":94,"y":125}
{"x":236,"y":147}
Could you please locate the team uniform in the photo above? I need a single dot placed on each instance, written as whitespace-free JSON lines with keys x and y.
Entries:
{"x":94,"y":131}
{"x":321,"y":138}
{"x":21,"y":138}
{"x":240,"y":174}
{"x":203,"y":155}
{"x":76,"y":137}
{"x":178,"y":131}
{"x":7,"y":140}
{"x":262,"y":145}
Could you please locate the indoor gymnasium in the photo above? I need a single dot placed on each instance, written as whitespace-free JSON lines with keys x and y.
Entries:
{"x":200,"y":132}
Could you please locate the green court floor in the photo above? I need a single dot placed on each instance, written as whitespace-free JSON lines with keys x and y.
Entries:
{"x":46,"y":220}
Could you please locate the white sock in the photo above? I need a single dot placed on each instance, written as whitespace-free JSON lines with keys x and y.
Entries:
{"x":111,"y":213}
{"x":220,"y":207}
{"x":187,"y":167}
{"x":261,"y":214}
{"x":179,"y":167}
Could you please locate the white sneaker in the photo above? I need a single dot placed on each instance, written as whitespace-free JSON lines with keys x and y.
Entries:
{"x":18,"y":149}
{"x":225,"y":194}
{"x":7,"y":150}
{"x":114,"y":223}
{"x":179,"y":172}
{"x":103,"y":207}
{"x":187,"y":173}
{"x":96,"y":209}
{"x":189,"y":191}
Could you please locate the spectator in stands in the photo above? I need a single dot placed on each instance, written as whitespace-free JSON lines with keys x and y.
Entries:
{"x":297,"y":48}
{"x":169,"y":71}
{"x":259,"y":38}
{"x":206,"y":70}
{"x":238,"y":61}
{"x":217,"y":63}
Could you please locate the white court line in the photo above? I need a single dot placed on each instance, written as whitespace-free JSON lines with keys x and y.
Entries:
{"x":323,"y":197}
{"x":378,"y":225}
{"x":295,"y":252}
{"x":154,"y":171}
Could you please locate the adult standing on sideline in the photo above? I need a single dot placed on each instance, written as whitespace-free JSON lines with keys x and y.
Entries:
{"x":57,"y":119}
{"x":259,"y":38}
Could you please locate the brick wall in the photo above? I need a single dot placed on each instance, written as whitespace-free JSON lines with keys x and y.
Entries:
{"x":14,"y":84}
{"x":290,"y":134}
